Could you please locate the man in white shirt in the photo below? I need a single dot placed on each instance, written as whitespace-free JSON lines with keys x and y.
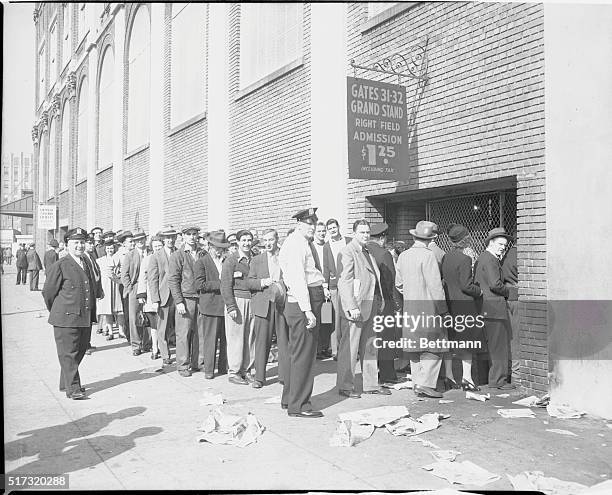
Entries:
{"x":305,"y":296}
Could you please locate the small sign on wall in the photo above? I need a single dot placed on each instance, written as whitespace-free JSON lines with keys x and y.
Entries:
{"x":377,"y":130}
{"x":47,"y":217}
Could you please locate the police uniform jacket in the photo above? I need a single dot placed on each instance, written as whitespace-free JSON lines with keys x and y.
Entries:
{"x":70,"y":294}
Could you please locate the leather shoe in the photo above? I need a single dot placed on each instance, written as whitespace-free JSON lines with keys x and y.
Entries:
{"x":209,"y":376}
{"x":379,"y":391}
{"x":284,"y":406}
{"x":257,"y":384}
{"x":249,"y":378}
{"x":422,"y":391}
{"x":136,"y":352}
{"x":307,"y":414}
{"x":351,"y":394}
{"x":184,"y":373}
{"x":237,"y":380}
{"x":167,"y":361}
{"x":194,"y":370}
{"x":77,"y":395}
{"x":505,"y":386}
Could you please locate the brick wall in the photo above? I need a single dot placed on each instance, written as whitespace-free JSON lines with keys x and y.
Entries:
{"x":80,"y":205}
{"x":481,"y":117}
{"x":136,"y":191}
{"x":104,"y":199}
{"x":64,"y":206}
{"x":269,"y":142}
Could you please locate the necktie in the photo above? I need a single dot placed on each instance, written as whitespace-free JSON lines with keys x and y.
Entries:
{"x":315,"y":255}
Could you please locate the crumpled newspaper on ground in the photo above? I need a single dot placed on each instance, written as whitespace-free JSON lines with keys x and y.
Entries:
{"x":563,"y":412}
{"x":461,"y":473}
{"x":516,"y":413}
{"x":349,"y":434}
{"x":411,"y":426}
{"x":210,"y":399}
{"x":535,"y":480}
{"x":225,"y":428}
{"x":377,"y":416}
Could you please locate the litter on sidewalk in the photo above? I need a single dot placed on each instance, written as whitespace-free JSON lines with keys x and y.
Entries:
{"x":535,"y":480}
{"x":562,"y":432}
{"x":503,"y":396}
{"x":411,"y":426}
{"x":474,"y":396}
{"x":445,"y":455}
{"x":224,"y":428}
{"x":210,"y":399}
{"x":376,"y":416}
{"x":349,"y":434}
{"x":516,"y":413}
{"x":403,"y":385}
{"x":445,"y":401}
{"x":563,"y":412}
{"x":425,"y":443}
{"x":462,"y":473}
{"x":530,"y":401}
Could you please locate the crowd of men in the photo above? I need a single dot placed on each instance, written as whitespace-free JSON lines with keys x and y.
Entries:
{"x":221,"y":300}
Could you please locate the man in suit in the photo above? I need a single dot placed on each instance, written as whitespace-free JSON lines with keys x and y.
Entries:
{"x":392,"y":298}
{"x":211,"y":322}
{"x":305,"y":296}
{"x":267,"y":304}
{"x":488,"y":274}
{"x":34,"y":267}
{"x":183,"y":287}
{"x":510,"y":271}
{"x":70,"y":294}
{"x":325,"y":329}
{"x":160,"y":291}
{"x":98,"y":251}
{"x":361,"y":299}
{"x":330,"y":256}
{"x":21,"y":263}
{"x":130,"y":271}
{"x":51,"y":255}
{"x":126,"y":242}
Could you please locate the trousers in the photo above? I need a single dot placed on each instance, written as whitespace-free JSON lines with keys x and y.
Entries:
{"x":165,"y":318}
{"x":71,"y":344}
{"x":213,"y":340}
{"x":240,"y":339}
{"x":264,"y":328}
{"x":187,"y":338}
{"x":497,"y":333}
{"x":425,"y":368}
{"x":34,"y":279}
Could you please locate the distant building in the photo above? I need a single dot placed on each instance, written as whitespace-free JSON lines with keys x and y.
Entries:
{"x":16,"y":180}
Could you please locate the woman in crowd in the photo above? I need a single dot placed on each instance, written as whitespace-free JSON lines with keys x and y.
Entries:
{"x":110,"y":305}
{"x":462,"y":295}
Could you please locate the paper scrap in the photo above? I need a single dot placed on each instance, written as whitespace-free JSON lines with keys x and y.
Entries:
{"x":563,"y":411}
{"x":527,"y":401}
{"x":535,"y":480}
{"x":223,"y":428}
{"x":273,"y":400}
{"x":403,"y":385}
{"x":462,"y":473}
{"x":425,"y":443}
{"x":445,"y":401}
{"x":503,"y":396}
{"x":516,"y":413}
{"x":210,"y":399}
{"x":411,"y":426}
{"x":474,"y":396}
{"x":562,"y":432}
{"x":445,"y":455}
{"x":349,"y":434}
{"x":152,"y":371}
{"x":377,"y":416}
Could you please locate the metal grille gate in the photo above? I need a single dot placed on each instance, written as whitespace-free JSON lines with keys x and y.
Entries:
{"x":478,"y":212}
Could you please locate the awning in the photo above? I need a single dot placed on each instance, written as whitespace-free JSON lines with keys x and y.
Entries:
{"x":23,"y":207}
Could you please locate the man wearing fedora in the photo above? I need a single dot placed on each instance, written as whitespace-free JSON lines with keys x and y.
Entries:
{"x":34,"y":266}
{"x":211,"y":323}
{"x":70,"y":294}
{"x":267,"y":304}
{"x":125,"y":238}
{"x":157,"y":278}
{"x":488,"y":274}
{"x":130,"y":272}
{"x":51,"y":255}
{"x":418,"y":278}
{"x":305,"y":296}
{"x":361,"y":299}
{"x":183,"y":287}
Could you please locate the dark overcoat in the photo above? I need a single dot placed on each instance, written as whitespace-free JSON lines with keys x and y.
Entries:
{"x":208,"y":283}
{"x":488,"y":274}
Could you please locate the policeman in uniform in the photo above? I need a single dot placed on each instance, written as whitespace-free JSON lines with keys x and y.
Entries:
{"x":305,"y":296}
{"x":70,"y":294}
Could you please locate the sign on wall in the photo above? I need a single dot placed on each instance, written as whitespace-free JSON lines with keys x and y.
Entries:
{"x":47,"y":217}
{"x":377,"y":130}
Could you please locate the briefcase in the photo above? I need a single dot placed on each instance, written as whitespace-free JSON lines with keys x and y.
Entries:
{"x":326,"y":312}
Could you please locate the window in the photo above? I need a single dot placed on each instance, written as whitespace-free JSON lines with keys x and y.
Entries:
{"x":188,"y":62}
{"x":53,"y":54}
{"x":375,"y":8}
{"x":51,"y":161}
{"x":82,"y":26}
{"x":42,"y":74}
{"x":67,"y":35}
{"x":42,"y":165}
{"x":270,"y":38}
{"x":106,"y":95}
{"x":82,"y":134}
{"x":139,"y":79}
{"x":65,"y":163}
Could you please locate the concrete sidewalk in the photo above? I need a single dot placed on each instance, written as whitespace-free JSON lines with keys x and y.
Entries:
{"x":138,"y":430}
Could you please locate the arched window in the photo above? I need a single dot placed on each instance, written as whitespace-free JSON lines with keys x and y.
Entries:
{"x":188,"y":61}
{"x":105,"y":110}
{"x":43,"y":161}
{"x":82,"y":134}
{"x":65,"y":172}
{"x":139,"y":79}
{"x":52,"y":161}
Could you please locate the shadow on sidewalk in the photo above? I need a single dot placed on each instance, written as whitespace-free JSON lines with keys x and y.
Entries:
{"x":128,"y":376}
{"x":62,"y":448}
